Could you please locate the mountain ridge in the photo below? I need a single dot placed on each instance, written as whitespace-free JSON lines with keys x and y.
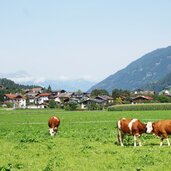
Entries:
{"x":149,"y":68}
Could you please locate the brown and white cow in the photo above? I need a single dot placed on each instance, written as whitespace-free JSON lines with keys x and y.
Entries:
{"x":132,"y":127}
{"x":161,"y":129}
{"x":53,"y":124}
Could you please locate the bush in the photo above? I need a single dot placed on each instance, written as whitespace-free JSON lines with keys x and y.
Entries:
{"x":53,"y":104}
{"x":10,"y":104}
{"x":94,"y":106}
{"x":71,"y":106}
{"x":162,"y":99}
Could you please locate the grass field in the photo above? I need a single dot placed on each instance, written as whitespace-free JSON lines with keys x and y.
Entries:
{"x":86,"y":141}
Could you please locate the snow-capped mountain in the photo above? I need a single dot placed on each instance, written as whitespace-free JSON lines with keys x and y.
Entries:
{"x":22,"y":77}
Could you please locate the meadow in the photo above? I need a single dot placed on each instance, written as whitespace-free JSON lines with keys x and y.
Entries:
{"x":86,"y":141}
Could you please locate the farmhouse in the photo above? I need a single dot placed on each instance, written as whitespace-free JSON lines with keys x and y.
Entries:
{"x":105,"y":98}
{"x":141,"y":99}
{"x":84,"y":104}
{"x":42,"y":99}
{"x":19,"y":101}
{"x":64,"y":97}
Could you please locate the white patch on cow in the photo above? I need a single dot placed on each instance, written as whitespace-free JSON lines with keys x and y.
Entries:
{"x":119,"y":124}
{"x":149,"y":127}
{"x":130,"y":124}
{"x":55,"y":117}
{"x":52,"y":132}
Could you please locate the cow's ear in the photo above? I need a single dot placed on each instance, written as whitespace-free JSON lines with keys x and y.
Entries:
{"x":153,"y":124}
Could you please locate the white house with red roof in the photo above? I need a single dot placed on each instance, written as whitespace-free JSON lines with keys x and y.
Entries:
{"x":42,"y":98}
{"x":19,"y":101}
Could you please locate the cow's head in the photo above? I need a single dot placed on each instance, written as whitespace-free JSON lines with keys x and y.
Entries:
{"x":53,"y":131}
{"x":149,"y":127}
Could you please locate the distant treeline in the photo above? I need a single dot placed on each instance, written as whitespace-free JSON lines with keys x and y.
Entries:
{"x":9,"y":84}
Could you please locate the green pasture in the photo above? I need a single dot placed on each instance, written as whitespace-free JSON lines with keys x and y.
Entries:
{"x":86,"y":141}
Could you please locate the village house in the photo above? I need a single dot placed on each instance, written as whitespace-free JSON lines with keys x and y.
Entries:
{"x":106,"y":99}
{"x":18,"y":101}
{"x":63,"y":97}
{"x":141,"y":99}
{"x":31,"y":94}
{"x":42,"y":99}
{"x":57,"y":92}
{"x":55,"y":95}
{"x":86,"y":103}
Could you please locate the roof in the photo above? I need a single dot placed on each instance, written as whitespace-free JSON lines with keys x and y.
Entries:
{"x":65,"y":95}
{"x":14,"y":96}
{"x":10,"y":96}
{"x":38,"y":89}
{"x":19,"y":97}
{"x":44,"y":94}
{"x":104,"y":97}
{"x":142,"y":97}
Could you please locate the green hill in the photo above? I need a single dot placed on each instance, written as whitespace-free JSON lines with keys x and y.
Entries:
{"x":11,"y":85}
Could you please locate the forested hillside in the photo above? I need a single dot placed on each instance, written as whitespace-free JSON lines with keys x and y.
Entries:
{"x":150,"y":69}
{"x":164,"y":83}
{"x":11,"y":85}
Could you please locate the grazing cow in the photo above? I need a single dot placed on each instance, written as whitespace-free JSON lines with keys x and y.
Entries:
{"x":131,"y":127}
{"x":161,"y":129}
{"x":53,"y":124}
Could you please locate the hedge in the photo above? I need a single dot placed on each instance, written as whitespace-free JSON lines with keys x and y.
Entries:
{"x":146,"y":106}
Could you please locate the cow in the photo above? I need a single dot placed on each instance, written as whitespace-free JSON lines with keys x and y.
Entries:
{"x":161,"y":129}
{"x":53,"y":124}
{"x":132,"y":127}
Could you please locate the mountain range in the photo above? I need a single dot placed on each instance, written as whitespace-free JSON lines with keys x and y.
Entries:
{"x":22,"y":77}
{"x":152,"y":71}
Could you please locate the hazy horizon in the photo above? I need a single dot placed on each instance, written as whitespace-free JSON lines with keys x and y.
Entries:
{"x":80,"y":40}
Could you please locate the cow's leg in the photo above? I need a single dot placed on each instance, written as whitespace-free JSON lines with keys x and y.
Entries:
{"x":161,"y":141}
{"x":167,"y":139}
{"x":165,"y":136}
{"x":135,"y":139}
{"x":120,"y":137}
{"x":139,"y":141}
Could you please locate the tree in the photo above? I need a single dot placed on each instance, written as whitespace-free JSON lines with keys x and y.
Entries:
{"x":118,"y":100}
{"x":71,"y":106}
{"x":53,"y":104}
{"x":162,"y":98}
{"x":79,"y":91}
{"x":119,"y":92}
{"x":99,"y":92}
{"x":49,"y":90}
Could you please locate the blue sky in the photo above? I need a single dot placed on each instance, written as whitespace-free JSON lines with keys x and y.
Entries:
{"x":73,"y":39}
